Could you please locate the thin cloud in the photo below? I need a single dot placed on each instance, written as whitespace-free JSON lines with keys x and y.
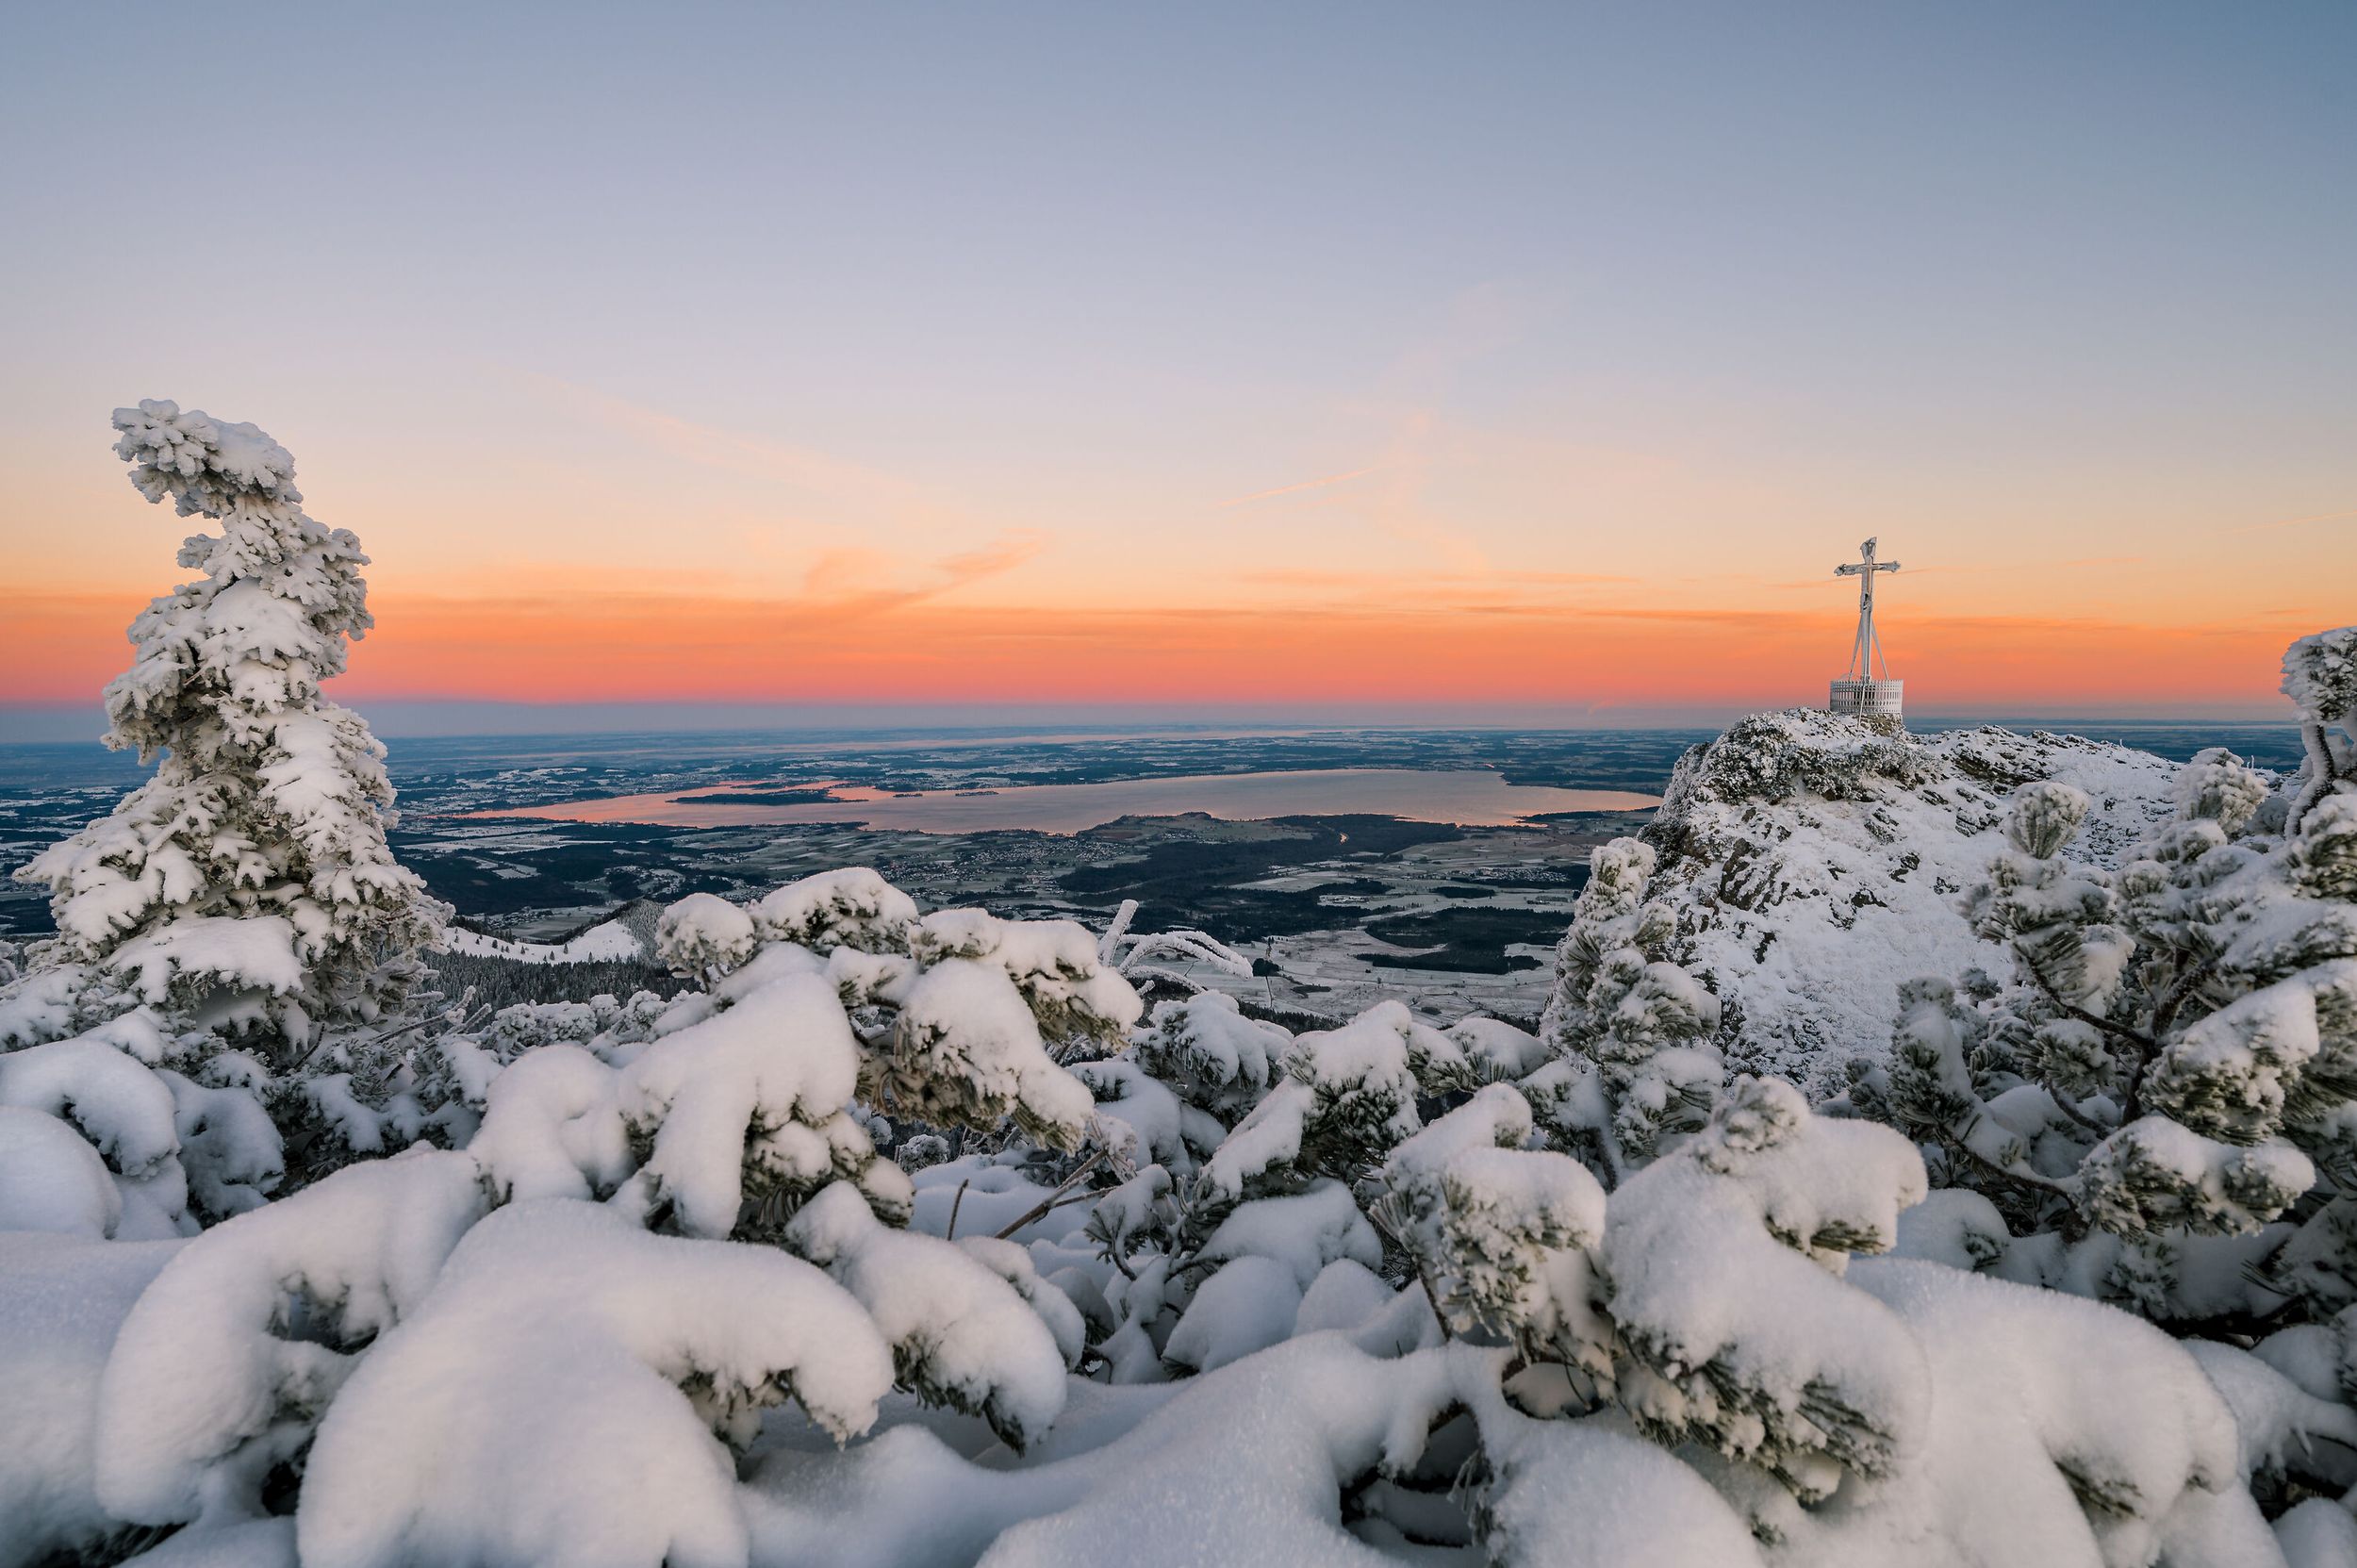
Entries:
{"x":833,"y":594}
{"x":759,"y":456}
{"x":1312,"y":578}
{"x":2294,"y":522}
{"x":1318,"y":484}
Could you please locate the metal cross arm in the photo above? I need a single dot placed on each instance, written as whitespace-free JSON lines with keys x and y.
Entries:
{"x":1867,"y":649}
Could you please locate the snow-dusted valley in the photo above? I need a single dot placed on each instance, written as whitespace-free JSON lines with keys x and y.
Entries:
{"x":1898,"y":1149}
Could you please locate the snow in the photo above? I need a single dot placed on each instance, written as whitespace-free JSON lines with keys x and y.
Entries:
{"x":1305,"y":1232}
{"x":51,"y":1179}
{"x":203,"y":1391}
{"x":1246,"y":1306}
{"x":122,"y":1108}
{"x":1268,"y":1138}
{"x":2318,"y":1533}
{"x":1344,"y":1295}
{"x":1798,"y":841}
{"x":255,"y":951}
{"x":608,"y":941}
{"x":553,"y":1127}
{"x":608,"y":1356}
{"x":848,"y":908}
{"x":961,"y":1334}
{"x":2042,"y":1399}
{"x":61,"y":1300}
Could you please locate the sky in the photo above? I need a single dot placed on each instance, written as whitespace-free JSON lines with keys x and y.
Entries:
{"x":1368,"y":359}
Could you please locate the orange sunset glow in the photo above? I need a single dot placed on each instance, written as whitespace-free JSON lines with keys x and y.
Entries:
{"x":652,"y":647}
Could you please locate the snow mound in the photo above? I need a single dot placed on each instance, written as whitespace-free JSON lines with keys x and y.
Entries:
{"x":611,"y":1356}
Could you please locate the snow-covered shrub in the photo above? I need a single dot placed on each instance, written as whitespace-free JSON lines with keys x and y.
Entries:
{"x":849,"y":908}
{"x":221,"y":1372}
{"x":955,"y":1021}
{"x":1723,"y":1265}
{"x":1499,"y":1232}
{"x":1209,"y":1054}
{"x":961,"y":1335}
{"x":743,"y":1115}
{"x":618,"y":1364}
{"x":2320,"y":678}
{"x":175,"y":1150}
{"x":1632,"y":1028}
{"x":705,"y":936}
{"x":2173,"y":1064}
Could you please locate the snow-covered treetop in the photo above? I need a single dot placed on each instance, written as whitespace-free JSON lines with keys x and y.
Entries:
{"x":280,"y":593}
{"x":2320,"y":674}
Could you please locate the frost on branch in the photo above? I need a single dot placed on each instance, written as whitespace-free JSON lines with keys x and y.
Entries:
{"x":618,"y":1361}
{"x":1126,"y":951}
{"x":1620,"y":1008}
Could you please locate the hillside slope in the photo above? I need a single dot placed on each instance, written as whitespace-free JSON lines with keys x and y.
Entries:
{"x":1815,"y":859}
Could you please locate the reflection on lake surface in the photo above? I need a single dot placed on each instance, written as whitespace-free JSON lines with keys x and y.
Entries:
{"x":1469,"y":797}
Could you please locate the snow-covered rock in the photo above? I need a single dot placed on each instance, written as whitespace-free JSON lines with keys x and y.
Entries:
{"x":1816,"y":860}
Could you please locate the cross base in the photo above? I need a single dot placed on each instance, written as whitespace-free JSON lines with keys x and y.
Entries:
{"x":1875,"y":697}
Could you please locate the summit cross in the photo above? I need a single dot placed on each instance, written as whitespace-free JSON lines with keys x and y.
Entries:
{"x":1868,"y":648}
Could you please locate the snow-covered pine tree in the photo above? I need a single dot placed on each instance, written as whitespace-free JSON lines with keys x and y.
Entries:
{"x":239,"y":917}
{"x":247,"y":886}
{"x":1633,"y":1028}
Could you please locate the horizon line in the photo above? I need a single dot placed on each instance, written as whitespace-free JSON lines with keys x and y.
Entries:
{"x":429,"y":718}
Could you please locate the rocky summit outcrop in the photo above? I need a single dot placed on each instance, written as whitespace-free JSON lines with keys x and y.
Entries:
{"x":1815,"y":861}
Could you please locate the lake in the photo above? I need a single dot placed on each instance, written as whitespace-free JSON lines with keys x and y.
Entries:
{"x":1467,"y":797}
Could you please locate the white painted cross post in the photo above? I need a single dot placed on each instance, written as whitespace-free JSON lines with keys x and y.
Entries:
{"x":1860,"y":691}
